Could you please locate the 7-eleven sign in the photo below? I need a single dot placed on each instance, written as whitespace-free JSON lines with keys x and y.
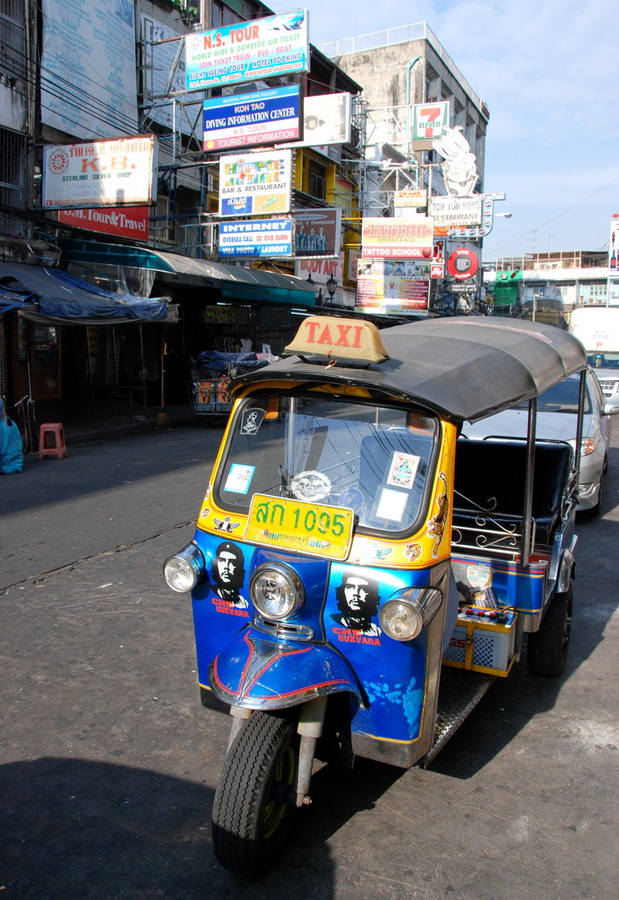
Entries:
{"x":429,"y":120}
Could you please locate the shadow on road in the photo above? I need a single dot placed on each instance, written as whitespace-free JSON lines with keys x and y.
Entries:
{"x":82,"y":829}
{"x":109,"y":464}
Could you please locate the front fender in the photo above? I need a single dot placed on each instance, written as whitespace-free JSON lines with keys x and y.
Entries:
{"x":257,"y":673}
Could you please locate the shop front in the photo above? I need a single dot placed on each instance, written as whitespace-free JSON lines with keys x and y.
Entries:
{"x":67,"y":344}
{"x":224,"y":307}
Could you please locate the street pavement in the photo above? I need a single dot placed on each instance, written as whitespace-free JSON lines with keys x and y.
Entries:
{"x":108,"y":763}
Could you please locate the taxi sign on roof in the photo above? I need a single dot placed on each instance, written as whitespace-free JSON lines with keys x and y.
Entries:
{"x":330,"y":339}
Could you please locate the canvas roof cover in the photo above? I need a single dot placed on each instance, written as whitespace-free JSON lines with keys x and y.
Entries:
{"x":465,"y":367}
{"x":48,"y":293}
{"x":233,"y":281}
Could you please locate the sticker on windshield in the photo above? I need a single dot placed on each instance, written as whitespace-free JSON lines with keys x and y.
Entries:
{"x":239,"y":478}
{"x":403,"y":470}
{"x":251,"y":420}
{"x":391,"y":505}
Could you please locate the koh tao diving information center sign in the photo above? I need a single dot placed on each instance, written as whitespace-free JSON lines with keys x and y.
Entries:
{"x":255,"y":183}
{"x":263,"y":117}
{"x":247,"y":51}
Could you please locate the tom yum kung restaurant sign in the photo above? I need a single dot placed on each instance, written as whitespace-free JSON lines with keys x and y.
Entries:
{"x":247,"y":51}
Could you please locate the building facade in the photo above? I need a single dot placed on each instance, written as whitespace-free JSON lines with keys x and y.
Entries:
{"x":551,"y":284}
{"x":112,"y":70}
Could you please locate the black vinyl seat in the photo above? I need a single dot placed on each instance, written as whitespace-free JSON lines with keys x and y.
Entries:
{"x":490,"y":478}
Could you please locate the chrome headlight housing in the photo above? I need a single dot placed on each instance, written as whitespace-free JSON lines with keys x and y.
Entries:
{"x":403,"y":617}
{"x":276,"y":591}
{"x":184,"y":570}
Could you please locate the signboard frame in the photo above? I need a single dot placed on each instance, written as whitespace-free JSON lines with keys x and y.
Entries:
{"x":116,"y":172}
{"x":248,"y":51}
{"x":254,"y":238}
{"x":252,"y":119}
{"x":390,"y":238}
{"x":322,"y":229}
{"x":249,"y":182}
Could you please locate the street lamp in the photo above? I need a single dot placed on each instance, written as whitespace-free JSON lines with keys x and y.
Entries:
{"x":331,"y":285}
{"x":503,"y":215}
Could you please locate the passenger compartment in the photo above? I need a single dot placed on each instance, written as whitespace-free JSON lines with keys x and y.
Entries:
{"x":489,"y":494}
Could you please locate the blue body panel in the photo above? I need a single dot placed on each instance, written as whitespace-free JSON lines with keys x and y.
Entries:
{"x":255,"y":670}
{"x":245,"y":666}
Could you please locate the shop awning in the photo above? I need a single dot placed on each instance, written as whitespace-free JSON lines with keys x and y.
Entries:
{"x":234,"y":282}
{"x":44,"y":293}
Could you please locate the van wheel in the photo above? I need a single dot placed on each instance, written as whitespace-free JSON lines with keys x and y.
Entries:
{"x":255,"y":801}
{"x":547,"y":648}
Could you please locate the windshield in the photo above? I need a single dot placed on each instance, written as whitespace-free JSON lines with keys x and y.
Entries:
{"x":562,"y":397}
{"x":604,"y":360}
{"x":318,"y":449}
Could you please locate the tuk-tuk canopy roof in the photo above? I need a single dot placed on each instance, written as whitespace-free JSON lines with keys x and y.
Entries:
{"x":464,"y":367}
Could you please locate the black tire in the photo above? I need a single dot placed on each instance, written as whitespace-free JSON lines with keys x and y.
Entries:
{"x":547,"y":648}
{"x":255,"y":801}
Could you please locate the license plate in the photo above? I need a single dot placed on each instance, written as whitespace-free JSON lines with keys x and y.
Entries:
{"x":295,"y":525}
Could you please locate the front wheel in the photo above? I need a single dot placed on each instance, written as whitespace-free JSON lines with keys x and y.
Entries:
{"x":255,"y":800}
{"x":547,"y":648}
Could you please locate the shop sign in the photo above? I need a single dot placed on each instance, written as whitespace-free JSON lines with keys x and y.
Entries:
{"x":454,"y":211}
{"x":392,"y":286}
{"x":256,"y":237}
{"x":244,"y":120}
{"x":127,"y":222}
{"x":326,"y":121}
{"x":397,"y":239}
{"x":119,"y":172}
{"x":405,"y":199}
{"x":317,"y":232}
{"x":255,"y":184}
{"x":429,"y":120}
{"x":463,"y":264}
{"x":248,"y":51}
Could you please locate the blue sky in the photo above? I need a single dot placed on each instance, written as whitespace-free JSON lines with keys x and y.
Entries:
{"x":549,"y":74}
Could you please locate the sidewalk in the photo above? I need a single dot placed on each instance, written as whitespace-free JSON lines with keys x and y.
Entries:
{"x":111,"y":420}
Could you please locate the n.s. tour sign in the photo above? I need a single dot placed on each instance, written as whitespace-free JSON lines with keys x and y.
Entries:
{"x":248,"y":51}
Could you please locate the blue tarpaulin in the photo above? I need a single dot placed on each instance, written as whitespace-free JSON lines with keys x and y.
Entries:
{"x":53,"y":293}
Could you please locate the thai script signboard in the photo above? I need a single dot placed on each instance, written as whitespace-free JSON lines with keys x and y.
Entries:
{"x":119,"y":172}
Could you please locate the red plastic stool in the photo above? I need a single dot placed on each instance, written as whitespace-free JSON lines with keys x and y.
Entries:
{"x":59,"y":447}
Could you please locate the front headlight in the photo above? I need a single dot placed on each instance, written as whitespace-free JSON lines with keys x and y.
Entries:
{"x":276,"y":591}
{"x":404,"y":617}
{"x":587,"y":446}
{"x":183,"y":570}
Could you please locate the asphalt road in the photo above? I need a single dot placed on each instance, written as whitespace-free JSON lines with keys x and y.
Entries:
{"x":108,"y":763}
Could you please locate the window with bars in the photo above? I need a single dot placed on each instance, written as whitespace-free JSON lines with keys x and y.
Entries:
{"x":12,"y":40}
{"x":12,"y":168}
{"x":317,"y":180}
